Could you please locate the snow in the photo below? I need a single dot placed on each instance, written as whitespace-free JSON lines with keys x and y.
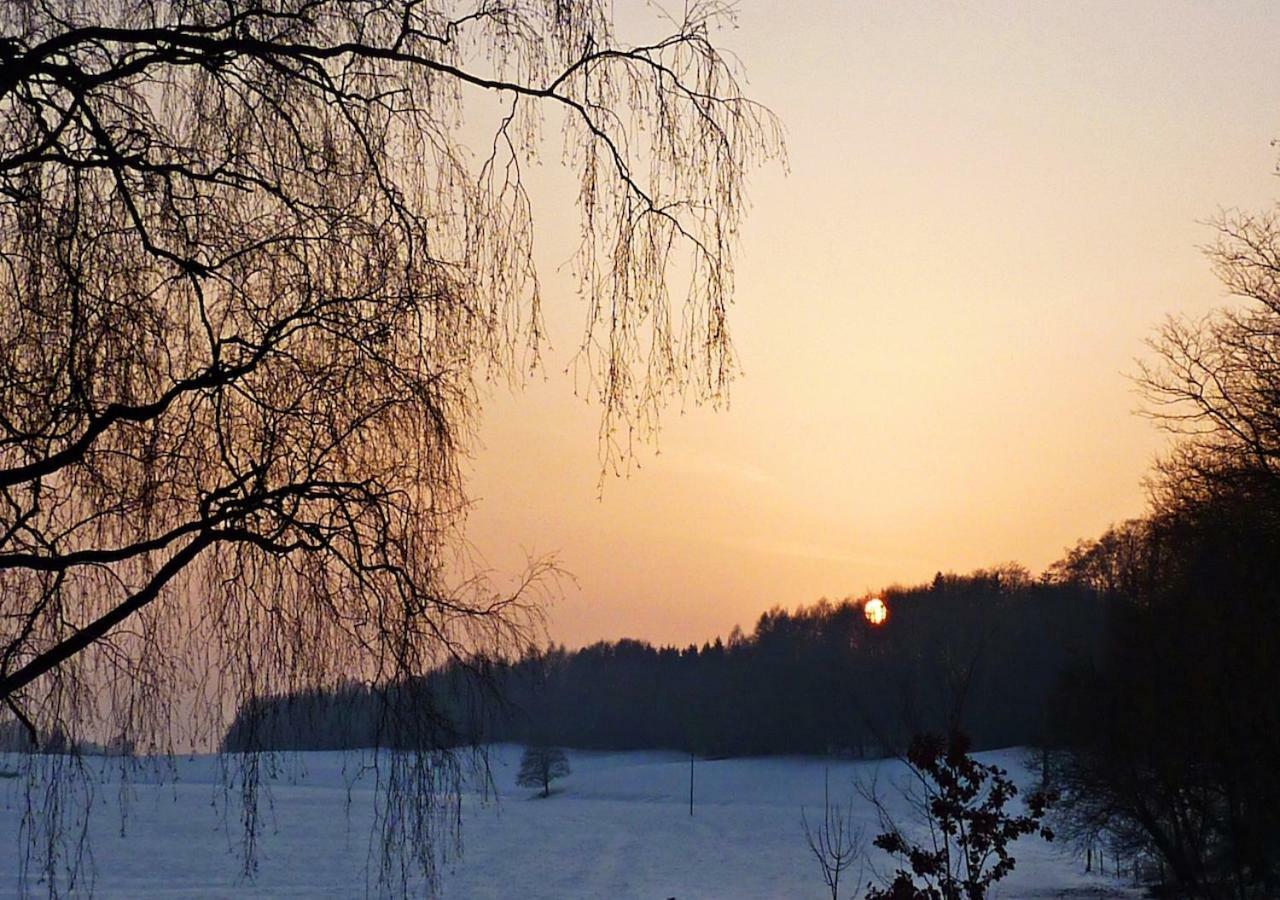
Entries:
{"x":617,"y":827}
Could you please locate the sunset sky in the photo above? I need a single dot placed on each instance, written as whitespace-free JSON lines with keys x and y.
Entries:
{"x":989,"y":207}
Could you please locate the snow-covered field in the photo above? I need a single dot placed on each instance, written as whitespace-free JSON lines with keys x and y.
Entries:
{"x":618,"y":827}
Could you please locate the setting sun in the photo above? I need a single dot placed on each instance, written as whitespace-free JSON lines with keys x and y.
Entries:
{"x":875,"y":611}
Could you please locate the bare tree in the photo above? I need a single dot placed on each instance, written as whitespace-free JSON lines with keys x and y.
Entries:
{"x":250,"y":273}
{"x":539,"y":766}
{"x":837,"y":843}
{"x":1215,"y":381}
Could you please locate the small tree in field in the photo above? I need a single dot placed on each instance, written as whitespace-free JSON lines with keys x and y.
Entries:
{"x":962,"y":803}
{"x":539,"y":766}
{"x":836,"y":843}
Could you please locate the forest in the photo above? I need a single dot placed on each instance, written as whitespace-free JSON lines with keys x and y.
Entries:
{"x":981,"y":651}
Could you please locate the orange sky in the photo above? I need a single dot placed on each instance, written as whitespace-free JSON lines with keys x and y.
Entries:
{"x":989,"y":207}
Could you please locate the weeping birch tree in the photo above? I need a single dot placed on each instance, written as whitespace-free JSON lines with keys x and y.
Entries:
{"x":254,"y":265}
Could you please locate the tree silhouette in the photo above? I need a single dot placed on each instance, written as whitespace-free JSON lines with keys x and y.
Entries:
{"x":837,"y":843}
{"x":249,"y":274}
{"x":1169,"y":738}
{"x":539,"y":766}
{"x":961,"y":804}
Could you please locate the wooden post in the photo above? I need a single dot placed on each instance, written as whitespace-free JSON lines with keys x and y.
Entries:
{"x":690,"y":782}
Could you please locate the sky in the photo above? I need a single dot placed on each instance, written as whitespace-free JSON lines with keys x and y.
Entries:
{"x":988,"y":207}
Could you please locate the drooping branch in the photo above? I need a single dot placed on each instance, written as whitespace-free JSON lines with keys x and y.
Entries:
{"x":250,"y":275}
{"x":81,"y":638}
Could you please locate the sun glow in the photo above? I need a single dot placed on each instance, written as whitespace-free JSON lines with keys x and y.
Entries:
{"x":875,"y":611}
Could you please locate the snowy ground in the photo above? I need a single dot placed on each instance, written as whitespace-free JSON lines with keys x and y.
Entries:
{"x":618,"y":827}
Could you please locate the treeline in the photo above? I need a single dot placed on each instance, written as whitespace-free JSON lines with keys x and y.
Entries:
{"x":1167,"y":745}
{"x":983,"y":651}
{"x":18,"y":737}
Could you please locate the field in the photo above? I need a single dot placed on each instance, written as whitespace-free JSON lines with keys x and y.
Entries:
{"x":617,"y":827}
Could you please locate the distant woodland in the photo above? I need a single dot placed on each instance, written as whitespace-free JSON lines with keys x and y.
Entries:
{"x":984,"y":651}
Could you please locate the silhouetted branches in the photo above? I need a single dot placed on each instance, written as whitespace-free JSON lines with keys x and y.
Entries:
{"x":961,"y":804}
{"x":1216,"y":381}
{"x":250,"y":271}
{"x":837,"y":843}
{"x":1168,"y":741}
{"x":539,"y":766}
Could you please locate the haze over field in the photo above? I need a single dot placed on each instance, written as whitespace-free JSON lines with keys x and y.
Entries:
{"x":989,"y":208}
